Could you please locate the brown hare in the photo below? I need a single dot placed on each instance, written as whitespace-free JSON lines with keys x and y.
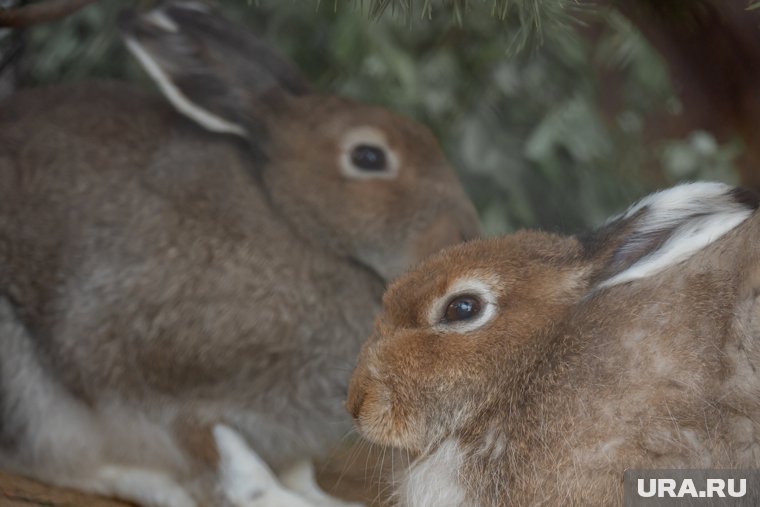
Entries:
{"x":186,"y":283}
{"x":533,"y":369}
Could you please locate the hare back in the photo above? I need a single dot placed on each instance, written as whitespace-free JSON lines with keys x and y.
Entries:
{"x":145,"y":261}
{"x":667,"y":376}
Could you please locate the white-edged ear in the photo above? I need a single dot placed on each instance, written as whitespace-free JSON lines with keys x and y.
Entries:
{"x":212,"y":70}
{"x":178,"y":99}
{"x":668,"y":227}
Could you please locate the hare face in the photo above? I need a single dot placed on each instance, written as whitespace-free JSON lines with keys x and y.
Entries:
{"x":366,"y":182}
{"x":464,"y":335}
{"x":494,"y":352}
{"x":372,"y":184}
{"x":455,"y":332}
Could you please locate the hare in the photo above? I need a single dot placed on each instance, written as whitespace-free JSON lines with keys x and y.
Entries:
{"x":533,"y":369}
{"x":186,"y":283}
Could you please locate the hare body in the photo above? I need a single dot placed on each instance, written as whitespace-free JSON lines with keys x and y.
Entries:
{"x":586,"y":365}
{"x":167,"y":270}
{"x":192,"y":300}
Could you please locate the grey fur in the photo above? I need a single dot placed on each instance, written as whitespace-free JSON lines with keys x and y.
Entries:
{"x":156,"y":275}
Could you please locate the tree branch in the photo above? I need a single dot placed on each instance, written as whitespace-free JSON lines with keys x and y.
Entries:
{"x":41,"y":12}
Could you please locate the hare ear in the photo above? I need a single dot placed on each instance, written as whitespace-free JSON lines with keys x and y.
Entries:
{"x":666,"y":228}
{"x":210,"y":69}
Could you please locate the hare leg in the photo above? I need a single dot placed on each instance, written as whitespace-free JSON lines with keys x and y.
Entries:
{"x":245,"y":479}
{"x":300,"y":478}
{"x":142,"y":486}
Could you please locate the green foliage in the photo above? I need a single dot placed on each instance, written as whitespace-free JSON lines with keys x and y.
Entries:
{"x":530,"y":18}
{"x":555,"y":136}
{"x":82,"y":45}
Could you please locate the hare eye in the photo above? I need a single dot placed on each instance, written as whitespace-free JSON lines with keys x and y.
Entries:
{"x":367,"y":157}
{"x":462,"y":308}
{"x":364,"y":154}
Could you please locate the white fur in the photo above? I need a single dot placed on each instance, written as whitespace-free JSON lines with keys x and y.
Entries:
{"x":37,"y":410}
{"x":300,"y":479}
{"x":183,"y":104}
{"x":161,"y":20}
{"x":146,"y":487}
{"x":244,"y":477}
{"x":371,"y":136}
{"x":480,"y":286}
{"x":434,"y":481}
{"x":494,"y":443}
{"x":700,"y":213}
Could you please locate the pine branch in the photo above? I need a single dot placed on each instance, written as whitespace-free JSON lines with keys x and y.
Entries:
{"x":531,"y":17}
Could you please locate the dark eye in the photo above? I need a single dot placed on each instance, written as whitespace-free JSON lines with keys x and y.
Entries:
{"x":462,"y":308}
{"x":368,"y":158}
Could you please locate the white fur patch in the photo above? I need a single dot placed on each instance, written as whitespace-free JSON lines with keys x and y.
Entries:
{"x":177,"y":98}
{"x":699,"y":214}
{"x":300,"y":479}
{"x":434,"y":481}
{"x":482,"y":288}
{"x":158,"y":18}
{"x":370,"y":136}
{"x":494,"y":443}
{"x":244,"y":477}
{"x":148,"y":487}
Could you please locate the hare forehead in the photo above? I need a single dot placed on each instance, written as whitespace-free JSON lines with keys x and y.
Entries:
{"x":482,"y":284}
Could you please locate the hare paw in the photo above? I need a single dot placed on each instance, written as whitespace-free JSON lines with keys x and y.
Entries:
{"x":245,"y":479}
{"x":300,"y":478}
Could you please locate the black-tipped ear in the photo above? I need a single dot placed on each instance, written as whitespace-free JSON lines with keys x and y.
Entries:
{"x":211,"y":69}
{"x":664,"y":229}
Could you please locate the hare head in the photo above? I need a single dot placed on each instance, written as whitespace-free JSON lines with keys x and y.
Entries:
{"x":366,"y":182}
{"x":463,"y":334}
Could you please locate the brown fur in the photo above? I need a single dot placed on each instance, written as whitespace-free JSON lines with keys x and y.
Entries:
{"x":567,"y":386}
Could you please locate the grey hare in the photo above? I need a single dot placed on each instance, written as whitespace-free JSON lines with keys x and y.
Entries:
{"x":186,"y":283}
